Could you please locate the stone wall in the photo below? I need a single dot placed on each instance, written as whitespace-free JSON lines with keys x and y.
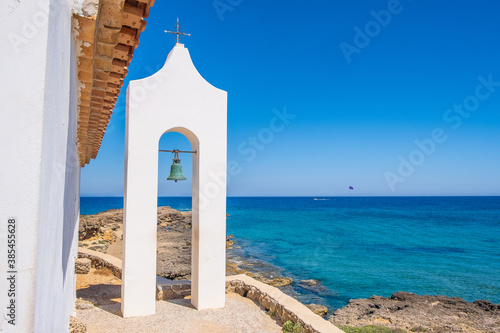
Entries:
{"x":279,"y":305}
{"x":172,"y":289}
{"x":98,"y":262}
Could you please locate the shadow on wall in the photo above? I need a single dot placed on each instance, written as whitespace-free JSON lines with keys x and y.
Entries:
{"x":71,"y":173}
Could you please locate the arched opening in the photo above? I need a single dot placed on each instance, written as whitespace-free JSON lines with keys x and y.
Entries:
{"x":170,"y":141}
{"x":174,"y":228}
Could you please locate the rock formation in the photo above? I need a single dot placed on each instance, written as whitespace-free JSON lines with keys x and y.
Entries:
{"x":320,"y":310}
{"x":97,"y":232}
{"x":82,"y":265}
{"x":439,"y":314}
{"x":76,"y":326}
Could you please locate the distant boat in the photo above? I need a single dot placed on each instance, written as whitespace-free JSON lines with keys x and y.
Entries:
{"x":320,"y":199}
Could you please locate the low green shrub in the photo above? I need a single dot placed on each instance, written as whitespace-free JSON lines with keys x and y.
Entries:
{"x":297,"y":328}
{"x":418,"y":329}
{"x":290,"y":327}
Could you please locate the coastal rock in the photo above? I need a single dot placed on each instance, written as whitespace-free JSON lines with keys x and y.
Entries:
{"x":92,"y":226}
{"x":310,"y":282}
{"x":275,"y":282}
{"x":76,"y":326}
{"x":487,"y":305}
{"x":167,"y":216}
{"x":318,"y":309}
{"x":174,"y":244}
{"x":82,"y":265}
{"x":313,"y":285}
{"x":233,"y":269}
{"x":229,"y":241}
{"x":425,"y":313}
{"x":99,"y":231}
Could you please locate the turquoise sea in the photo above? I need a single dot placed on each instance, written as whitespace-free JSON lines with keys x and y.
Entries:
{"x":363,"y":246}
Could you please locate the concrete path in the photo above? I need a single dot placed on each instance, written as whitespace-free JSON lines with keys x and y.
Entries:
{"x":178,"y":316}
{"x":102,"y":288}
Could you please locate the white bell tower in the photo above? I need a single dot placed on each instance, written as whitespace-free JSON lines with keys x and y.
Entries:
{"x":175,"y":99}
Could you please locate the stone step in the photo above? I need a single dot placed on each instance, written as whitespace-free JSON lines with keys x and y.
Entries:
{"x":172,"y":289}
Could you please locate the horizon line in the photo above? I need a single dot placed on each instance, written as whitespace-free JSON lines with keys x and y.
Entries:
{"x":315,"y":196}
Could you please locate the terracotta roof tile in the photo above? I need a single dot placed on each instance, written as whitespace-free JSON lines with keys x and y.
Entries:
{"x":106,"y":44}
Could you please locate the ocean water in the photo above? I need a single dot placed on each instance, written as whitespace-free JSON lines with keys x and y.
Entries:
{"x":363,"y":246}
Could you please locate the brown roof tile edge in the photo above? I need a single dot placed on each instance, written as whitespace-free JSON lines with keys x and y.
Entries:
{"x":105,"y":47}
{"x":283,"y":306}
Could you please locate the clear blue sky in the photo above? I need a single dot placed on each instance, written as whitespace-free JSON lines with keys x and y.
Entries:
{"x":364,"y":80}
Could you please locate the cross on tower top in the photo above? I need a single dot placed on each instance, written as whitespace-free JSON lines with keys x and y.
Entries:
{"x":178,"y":33}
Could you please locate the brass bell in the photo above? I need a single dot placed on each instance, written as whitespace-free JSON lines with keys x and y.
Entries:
{"x":176,"y":169}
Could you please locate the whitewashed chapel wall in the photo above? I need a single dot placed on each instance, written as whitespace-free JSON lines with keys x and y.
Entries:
{"x":40,"y":174}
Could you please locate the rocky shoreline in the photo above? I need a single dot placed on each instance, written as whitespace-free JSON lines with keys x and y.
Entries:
{"x":103,"y":232}
{"x":414,"y":313}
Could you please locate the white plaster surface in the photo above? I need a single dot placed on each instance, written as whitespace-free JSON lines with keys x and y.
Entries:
{"x":39,"y":171}
{"x":85,"y":8}
{"x":176,"y":98}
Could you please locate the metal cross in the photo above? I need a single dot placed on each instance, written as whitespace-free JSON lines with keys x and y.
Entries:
{"x":177,"y":32}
